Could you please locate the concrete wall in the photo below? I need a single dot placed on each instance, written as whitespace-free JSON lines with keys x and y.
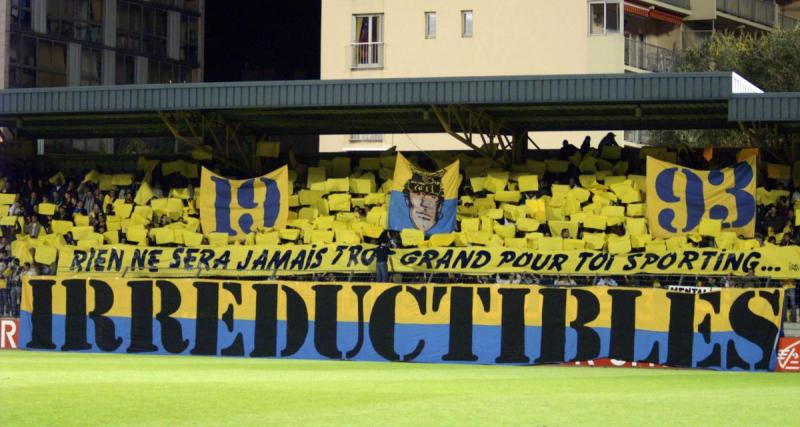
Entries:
{"x":703,"y":10}
{"x":510,"y":37}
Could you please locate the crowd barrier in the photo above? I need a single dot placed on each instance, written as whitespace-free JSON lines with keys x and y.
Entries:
{"x":728,"y":329}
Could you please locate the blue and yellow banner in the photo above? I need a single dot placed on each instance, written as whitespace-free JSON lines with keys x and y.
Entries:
{"x":729,"y":329}
{"x":423,"y":200}
{"x":238,"y":207}
{"x":679,"y":199}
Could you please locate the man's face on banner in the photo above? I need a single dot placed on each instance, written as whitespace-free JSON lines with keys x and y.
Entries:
{"x":424,"y":197}
{"x":424,"y":210}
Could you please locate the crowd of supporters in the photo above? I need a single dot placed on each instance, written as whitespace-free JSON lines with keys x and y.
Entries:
{"x":580,"y":197}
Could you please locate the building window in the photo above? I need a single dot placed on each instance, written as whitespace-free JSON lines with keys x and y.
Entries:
{"x":22,"y":61}
{"x":189,"y":39}
{"x":367,"y":41}
{"x":366,"y":137}
{"x":36,"y":62}
{"x":125,"y":69}
{"x":91,"y":67}
{"x":193,"y":5}
{"x":158,"y":72}
{"x":51,"y":64}
{"x":466,"y":23}
{"x":155,"y":31}
{"x":167,"y":72}
{"x":75,"y":19}
{"x":141,"y":29}
{"x":604,"y":17}
{"x":183,"y":74}
{"x":21,"y":13}
{"x":430,"y":25}
{"x":129,"y":26}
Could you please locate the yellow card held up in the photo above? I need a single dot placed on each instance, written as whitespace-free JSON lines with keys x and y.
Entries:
{"x":47,"y":209}
{"x":7,"y":199}
{"x":268,"y":149}
{"x":136,"y":234}
{"x":710,"y":227}
{"x":337,"y":185}
{"x":217,"y":239}
{"x":339,"y":202}
{"x":528,"y":183}
{"x":45,"y":254}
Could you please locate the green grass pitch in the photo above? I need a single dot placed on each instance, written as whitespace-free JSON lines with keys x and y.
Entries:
{"x":99,"y":389}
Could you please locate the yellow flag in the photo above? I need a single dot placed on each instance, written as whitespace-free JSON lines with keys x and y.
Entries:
{"x":339,"y":202}
{"x":710,"y":227}
{"x":424,"y":200}
{"x":679,"y":198}
{"x":144,"y":194}
{"x":47,"y":209}
{"x":92,"y":176}
{"x":169,"y":168}
{"x":61,"y":227}
{"x":202,"y":153}
{"x":412,"y":237}
{"x":268,"y":149}
{"x":45,"y":254}
{"x":136,"y":233}
{"x":57,"y":179}
{"x":236,"y":207}
{"x":781,"y":172}
{"x":528,"y":183}
{"x":442,"y":240}
{"x":106,"y":182}
{"x":122,"y":179}
{"x":8,"y":220}
{"x":146,"y":165}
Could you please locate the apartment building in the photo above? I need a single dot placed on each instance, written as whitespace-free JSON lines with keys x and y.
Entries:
{"x":439,"y":38}
{"x":46,"y":43}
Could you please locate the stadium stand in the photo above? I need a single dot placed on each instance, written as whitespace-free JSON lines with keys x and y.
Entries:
{"x":577,"y":198}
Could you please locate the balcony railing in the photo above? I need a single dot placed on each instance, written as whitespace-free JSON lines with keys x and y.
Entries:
{"x":787,"y":22}
{"x":368,"y":55}
{"x":686,"y":4}
{"x":649,"y":57}
{"x":760,"y":11}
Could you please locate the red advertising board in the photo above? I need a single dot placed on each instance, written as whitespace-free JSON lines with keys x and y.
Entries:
{"x":788,"y":355}
{"x":9,"y":334}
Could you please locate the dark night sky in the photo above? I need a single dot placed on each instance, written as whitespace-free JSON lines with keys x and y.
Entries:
{"x":277,"y":39}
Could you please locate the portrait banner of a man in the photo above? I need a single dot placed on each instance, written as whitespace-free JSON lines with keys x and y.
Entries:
{"x":424,"y":200}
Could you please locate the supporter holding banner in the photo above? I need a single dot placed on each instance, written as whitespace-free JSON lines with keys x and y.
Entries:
{"x":732,"y":329}
{"x":237,"y":207}
{"x":680,"y":199}
{"x":423,"y":200}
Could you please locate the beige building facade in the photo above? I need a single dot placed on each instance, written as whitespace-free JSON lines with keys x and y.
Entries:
{"x":452,"y":38}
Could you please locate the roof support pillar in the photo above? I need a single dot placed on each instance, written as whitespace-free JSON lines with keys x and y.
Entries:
{"x":462,"y":123}
{"x":233,"y":144}
{"x":519,"y":146}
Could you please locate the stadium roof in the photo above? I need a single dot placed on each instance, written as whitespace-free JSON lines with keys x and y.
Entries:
{"x":534,"y":103}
